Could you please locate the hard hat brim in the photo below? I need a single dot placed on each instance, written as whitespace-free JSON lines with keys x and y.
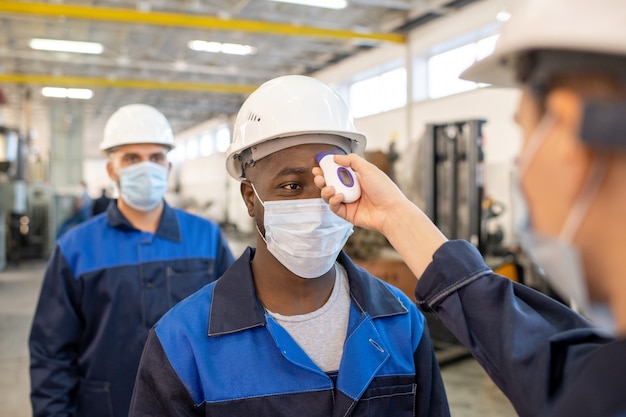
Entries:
{"x":107,"y":149}
{"x":356,"y":140}
{"x":496,"y":69}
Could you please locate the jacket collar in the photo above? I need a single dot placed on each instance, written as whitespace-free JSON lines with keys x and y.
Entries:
{"x":235,"y":306}
{"x":168,"y":225}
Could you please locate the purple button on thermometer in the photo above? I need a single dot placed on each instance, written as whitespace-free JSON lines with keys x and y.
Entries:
{"x":342,"y":178}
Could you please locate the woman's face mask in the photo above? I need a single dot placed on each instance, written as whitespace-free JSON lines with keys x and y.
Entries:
{"x":558,"y":257}
{"x":143,"y":185}
{"x":304,"y":234}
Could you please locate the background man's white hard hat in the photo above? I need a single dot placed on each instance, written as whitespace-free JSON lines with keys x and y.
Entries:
{"x":135,"y":124}
{"x":595,"y":26}
{"x":287,"y":106}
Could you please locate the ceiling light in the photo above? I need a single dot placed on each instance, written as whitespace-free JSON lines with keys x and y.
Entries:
{"x":225,"y":48}
{"x":329,"y":4}
{"x":237,"y":49}
{"x":57,"y":92}
{"x":503,"y":16}
{"x":180,"y":65}
{"x":205,"y":46}
{"x":66,"y":46}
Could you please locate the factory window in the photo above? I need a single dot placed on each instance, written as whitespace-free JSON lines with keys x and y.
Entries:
{"x":222,"y":138}
{"x":444,"y":68}
{"x":383,"y":92}
{"x":363,"y":97}
{"x":485,"y":47}
{"x":207,"y":143}
{"x":176,"y":155}
{"x":204,"y":144}
{"x":192,"y":148}
{"x":393,"y":93}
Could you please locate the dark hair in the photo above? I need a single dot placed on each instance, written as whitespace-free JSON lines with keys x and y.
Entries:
{"x":543,"y":70}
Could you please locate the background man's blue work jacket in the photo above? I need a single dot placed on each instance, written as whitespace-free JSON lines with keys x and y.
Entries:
{"x":105,"y":286}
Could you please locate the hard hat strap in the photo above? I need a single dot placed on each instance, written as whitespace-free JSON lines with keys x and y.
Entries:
{"x":603,"y":125}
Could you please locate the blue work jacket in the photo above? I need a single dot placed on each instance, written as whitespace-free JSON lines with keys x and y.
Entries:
{"x":548,"y":360}
{"x":105,"y":286}
{"x":219,"y":353}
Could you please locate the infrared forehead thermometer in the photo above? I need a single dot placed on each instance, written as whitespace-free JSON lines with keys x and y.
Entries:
{"x":342,"y":178}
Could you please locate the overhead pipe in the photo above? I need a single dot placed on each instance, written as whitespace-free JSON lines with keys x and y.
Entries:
{"x":127,"y":83}
{"x":188,"y":20}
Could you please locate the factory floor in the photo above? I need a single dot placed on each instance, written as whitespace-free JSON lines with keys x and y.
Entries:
{"x":470,"y":392}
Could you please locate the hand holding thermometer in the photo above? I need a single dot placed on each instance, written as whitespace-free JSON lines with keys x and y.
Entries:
{"x":342,"y":178}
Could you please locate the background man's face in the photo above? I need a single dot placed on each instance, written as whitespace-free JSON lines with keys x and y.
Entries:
{"x":127,"y":155}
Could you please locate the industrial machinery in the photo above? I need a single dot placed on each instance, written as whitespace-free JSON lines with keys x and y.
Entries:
{"x":447,"y":173}
{"x":23,"y":208}
{"x":453,"y":188}
{"x":452,"y":191}
{"x":11,"y":189}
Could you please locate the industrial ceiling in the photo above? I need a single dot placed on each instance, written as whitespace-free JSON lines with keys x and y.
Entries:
{"x":146,"y":57}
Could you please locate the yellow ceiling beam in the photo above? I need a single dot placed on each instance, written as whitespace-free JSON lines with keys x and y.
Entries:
{"x":51,"y":80}
{"x":187,"y":20}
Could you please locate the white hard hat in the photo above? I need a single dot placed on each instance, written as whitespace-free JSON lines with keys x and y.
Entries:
{"x":134,"y":124}
{"x":292,"y":106}
{"x":588,"y":26}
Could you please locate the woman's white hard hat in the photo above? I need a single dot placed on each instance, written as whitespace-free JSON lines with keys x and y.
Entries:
{"x":288,"y":111}
{"x":589,"y":26}
{"x":135,"y":124}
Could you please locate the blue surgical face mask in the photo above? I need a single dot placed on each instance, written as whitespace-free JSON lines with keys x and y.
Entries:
{"x":143,"y":185}
{"x":304,"y":234}
{"x":558,"y":257}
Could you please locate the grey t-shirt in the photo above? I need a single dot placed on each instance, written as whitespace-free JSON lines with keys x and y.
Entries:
{"x":322,"y":333}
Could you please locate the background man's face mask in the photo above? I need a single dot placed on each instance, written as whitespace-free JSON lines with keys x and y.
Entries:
{"x":558,"y":257}
{"x":143,"y":185}
{"x":304,"y":235}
